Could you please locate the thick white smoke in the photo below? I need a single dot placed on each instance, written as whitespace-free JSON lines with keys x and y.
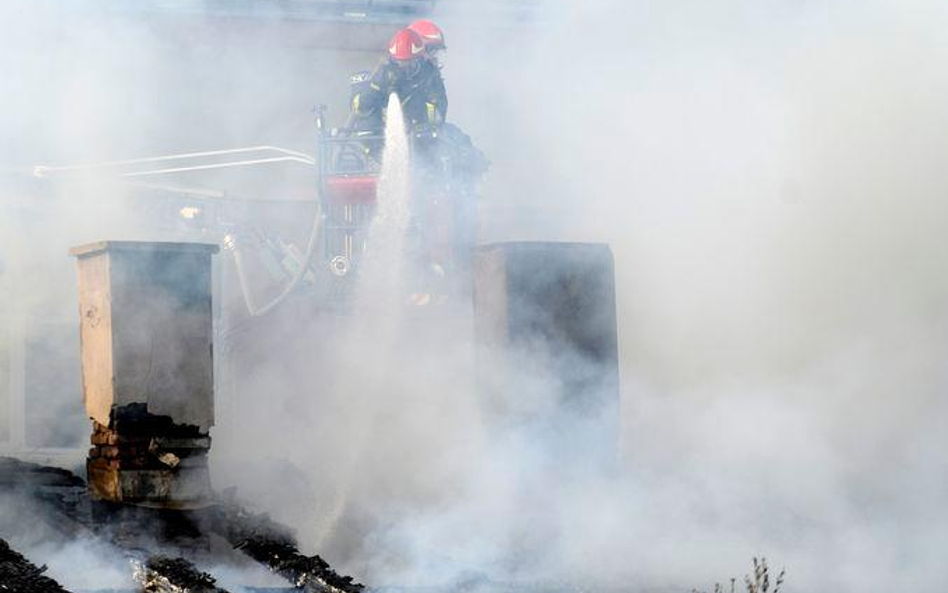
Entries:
{"x":769,"y":177}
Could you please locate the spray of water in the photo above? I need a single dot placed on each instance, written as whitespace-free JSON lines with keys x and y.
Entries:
{"x":379,"y":296}
{"x":383,"y":269}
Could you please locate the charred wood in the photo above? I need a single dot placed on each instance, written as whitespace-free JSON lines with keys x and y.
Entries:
{"x":310,"y":573}
{"x":162,"y":574}
{"x":19,"y":575}
{"x":273,"y":545}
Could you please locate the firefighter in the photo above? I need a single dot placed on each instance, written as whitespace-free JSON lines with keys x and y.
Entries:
{"x":408,"y":72}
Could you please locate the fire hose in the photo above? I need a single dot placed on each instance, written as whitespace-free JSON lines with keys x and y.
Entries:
{"x":231,"y":244}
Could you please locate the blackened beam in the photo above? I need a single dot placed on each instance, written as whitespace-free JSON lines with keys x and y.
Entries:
{"x":161,"y":574}
{"x":273,"y":545}
{"x":310,"y":573}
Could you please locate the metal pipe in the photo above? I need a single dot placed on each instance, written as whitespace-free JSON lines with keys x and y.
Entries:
{"x":218,"y":166}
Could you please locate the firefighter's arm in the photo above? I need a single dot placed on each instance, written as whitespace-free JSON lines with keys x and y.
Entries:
{"x":372,"y":96}
{"x":367,"y":101}
{"x":375,"y":92}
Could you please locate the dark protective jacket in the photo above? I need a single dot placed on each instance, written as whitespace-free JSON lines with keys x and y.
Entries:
{"x":365,"y":117}
{"x":422,"y":94}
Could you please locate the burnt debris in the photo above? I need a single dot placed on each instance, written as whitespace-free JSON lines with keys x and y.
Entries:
{"x":144,"y":457}
{"x":161,"y":574}
{"x":63,"y":499}
{"x":310,"y":573}
{"x":273,"y":545}
{"x":19,"y":575}
{"x":57,"y":493}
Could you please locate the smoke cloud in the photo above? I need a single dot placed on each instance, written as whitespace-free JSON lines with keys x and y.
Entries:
{"x":768,"y":175}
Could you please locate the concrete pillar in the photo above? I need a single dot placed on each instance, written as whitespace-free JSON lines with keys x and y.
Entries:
{"x":147,"y":369}
{"x":545,"y":324}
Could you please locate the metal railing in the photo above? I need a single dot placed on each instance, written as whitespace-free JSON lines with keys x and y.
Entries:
{"x":255,"y":155}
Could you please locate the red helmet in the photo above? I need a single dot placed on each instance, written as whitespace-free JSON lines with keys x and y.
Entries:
{"x":406,"y":45}
{"x":430,"y":33}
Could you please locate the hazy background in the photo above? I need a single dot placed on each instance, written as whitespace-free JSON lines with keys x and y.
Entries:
{"x":769,"y":177}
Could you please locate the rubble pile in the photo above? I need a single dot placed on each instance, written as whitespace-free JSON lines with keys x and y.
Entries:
{"x":161,"y":574}
{"x":19,"y":575}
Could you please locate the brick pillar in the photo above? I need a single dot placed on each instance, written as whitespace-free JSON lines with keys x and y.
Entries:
{"x":147,"y":370}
